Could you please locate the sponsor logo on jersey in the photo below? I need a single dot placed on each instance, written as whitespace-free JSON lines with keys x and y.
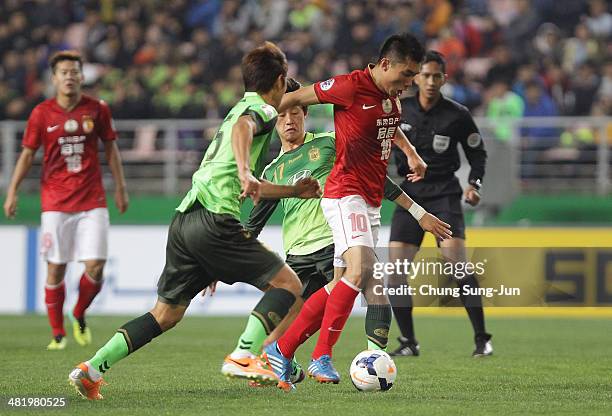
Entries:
{"x":387,"y":105}
{"x":474,"y":140}
{"x":52,"y":128}
{"x":440,"y":143}
{"x":71,"y":126}
{"x":299,"y":175}
{"x":87,"y":123}
{"x":405,"y":127}
{"x":367,"y":107}
{"x":325,"y":85}
{"x":314,"y":154}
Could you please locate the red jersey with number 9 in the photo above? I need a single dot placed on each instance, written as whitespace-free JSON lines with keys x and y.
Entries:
{"x":71,"y":178}
{"x":365,"y":120}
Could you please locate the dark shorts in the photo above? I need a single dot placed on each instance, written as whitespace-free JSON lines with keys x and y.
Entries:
{"x":203,"y":246}
{"x":406,"y":229}
{"x":315,"y":270}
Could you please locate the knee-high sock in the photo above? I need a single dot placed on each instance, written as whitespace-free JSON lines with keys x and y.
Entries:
{"x":306,"y":324}
{"x":337,"y":311}
{"x":267,"y":314}
{"x":129,"y":338}
{"x":377,"y":323}
{"x":402,"y":309}
{"x":473,"y":304}
{"x":54,"y":299}
{"x":88,"y":289}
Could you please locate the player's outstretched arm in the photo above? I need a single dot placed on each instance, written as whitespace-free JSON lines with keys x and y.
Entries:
{"x":113,"y":158}
{"x":24,"y":163}
{"x":305,"y":96}
{"x":305,"y":188}
{"x":242,"y":138}
{"x":415,"y":162}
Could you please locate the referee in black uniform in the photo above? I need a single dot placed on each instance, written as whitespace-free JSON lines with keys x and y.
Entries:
{"x":435,"y":125}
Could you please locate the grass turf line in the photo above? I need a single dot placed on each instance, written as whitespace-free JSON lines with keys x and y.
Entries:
{"x":541,"y":366}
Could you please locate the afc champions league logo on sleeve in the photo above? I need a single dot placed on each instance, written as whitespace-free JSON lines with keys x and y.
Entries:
{"x":325,"y":85}
{"x":71,"y":125}
{"x":474,"y":140}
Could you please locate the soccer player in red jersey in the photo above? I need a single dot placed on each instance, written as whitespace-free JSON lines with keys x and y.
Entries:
{"x":74,"y":220}
{"x":366,"y":117}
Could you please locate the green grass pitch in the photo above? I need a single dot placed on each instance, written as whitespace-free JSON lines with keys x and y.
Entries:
{"x":554,"y":366}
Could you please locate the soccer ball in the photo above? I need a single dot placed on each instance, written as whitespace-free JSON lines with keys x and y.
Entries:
{"x":373,"y":370}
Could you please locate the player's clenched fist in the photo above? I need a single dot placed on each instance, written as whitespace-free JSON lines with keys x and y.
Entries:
{"x":438,"y":228}
{"x":307,"y":188}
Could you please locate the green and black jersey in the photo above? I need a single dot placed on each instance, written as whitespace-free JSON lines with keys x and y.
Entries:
{"x":216,"y":184}
{"x":305,"y":229}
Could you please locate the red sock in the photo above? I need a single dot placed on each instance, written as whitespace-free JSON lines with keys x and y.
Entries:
{"x":88,"y":289}
{"x":54,"y":299}
{"x":338,"y":308}
{"x":306,"y":324}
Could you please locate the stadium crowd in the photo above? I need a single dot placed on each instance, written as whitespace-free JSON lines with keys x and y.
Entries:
{"x":180,"y":58}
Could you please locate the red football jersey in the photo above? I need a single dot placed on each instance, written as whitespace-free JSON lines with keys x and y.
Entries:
{"x":71,"y":176}
{"x":365,"y":119}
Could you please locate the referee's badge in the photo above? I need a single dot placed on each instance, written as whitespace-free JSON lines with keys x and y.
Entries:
{"x":387,"y":105}
{"x":440,"y":143}
{"x":70,"y":126}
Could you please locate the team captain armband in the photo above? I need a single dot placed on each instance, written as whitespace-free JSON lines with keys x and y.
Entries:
{"x":416,"y":211}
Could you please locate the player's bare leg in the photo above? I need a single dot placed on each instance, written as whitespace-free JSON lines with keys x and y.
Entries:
{"x":454,"y":251}
{"x":87,"y":376}
{"x":89,"y":286}
{"x":55,"y":293}
{"x":283,"y":295}
{"x":402,"y":304}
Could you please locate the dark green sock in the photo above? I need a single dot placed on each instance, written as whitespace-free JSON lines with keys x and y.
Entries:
{"x":128,"y":339}
{"x":268,"y":313}
{"x":140,"y":331}
{"x":377,"y":324}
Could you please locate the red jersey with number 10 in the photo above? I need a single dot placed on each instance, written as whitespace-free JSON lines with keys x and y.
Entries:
{"x":365,"y":120}
{"x":71,"y":178}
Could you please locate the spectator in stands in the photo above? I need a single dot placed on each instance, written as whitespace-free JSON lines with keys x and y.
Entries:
{"x":502,"y":106}
{"x":599,"y":20}
{"x":539,"y":104}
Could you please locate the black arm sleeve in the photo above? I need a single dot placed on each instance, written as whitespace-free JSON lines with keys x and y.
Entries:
{"x":260,"y":214}
{"x":392,"y":190}
{"x":473,"y":146}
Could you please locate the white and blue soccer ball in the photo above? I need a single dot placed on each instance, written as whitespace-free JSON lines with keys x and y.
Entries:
{"x":373,"y":370}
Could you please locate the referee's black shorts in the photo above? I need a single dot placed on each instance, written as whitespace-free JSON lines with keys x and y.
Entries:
{"x":406,"y":229}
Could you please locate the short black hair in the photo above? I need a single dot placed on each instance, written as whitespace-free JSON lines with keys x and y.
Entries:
{"x":262,"y":66}
{"x":435,"y":56}
{"x":294,"y":85}
{"x":65,"y":56}
{"x":398,"y":47}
